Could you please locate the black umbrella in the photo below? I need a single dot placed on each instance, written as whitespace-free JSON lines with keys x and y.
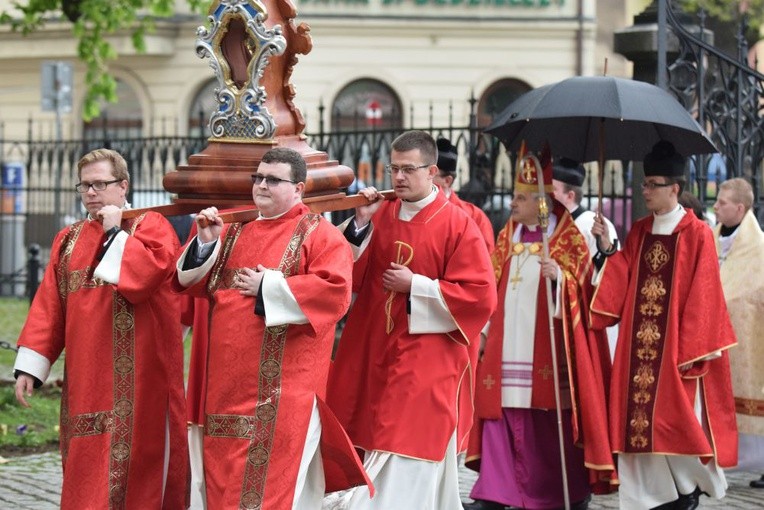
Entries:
{"x":599,"y":118}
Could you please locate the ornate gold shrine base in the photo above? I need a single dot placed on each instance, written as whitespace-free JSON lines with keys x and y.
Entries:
{"x":220,"y":175}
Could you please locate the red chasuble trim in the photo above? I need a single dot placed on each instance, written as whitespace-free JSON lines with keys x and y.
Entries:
{"x":648,"y":335}
{"x":67,"y":246}
{"x":261,"y":427}
{"x":218,"y":278}
{"x":124,"y":399}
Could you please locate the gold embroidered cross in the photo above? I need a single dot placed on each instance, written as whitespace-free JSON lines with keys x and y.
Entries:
{"x":489,"y":381}
{"x":545,"y":372}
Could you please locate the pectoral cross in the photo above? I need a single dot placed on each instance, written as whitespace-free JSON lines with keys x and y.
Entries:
{"x":489,"y":381}
{"x":515,"y":280}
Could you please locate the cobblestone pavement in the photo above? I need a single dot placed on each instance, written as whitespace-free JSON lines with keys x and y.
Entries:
{"x":34,"y":483}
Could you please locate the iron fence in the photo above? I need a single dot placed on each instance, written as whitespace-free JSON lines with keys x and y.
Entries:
{"x":33,"y":210}
{"x":726,"y":95}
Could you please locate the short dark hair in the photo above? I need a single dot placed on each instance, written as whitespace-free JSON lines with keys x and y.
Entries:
{"x":690,"y":201}
{"x":679,"y":181}
{"x":411,"y":140}
{"x":578,"y":191}
{"x":299,"y":170}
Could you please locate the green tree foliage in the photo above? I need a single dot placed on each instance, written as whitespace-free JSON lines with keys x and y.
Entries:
{"x":728,"y":10}
{"x":92,"y":21}
{"x":724,"y":17}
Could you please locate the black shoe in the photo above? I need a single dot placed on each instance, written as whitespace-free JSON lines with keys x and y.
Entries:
{"x":665,"y":506}
{"x":482,"y":504}
{"x":688,"y":501}
{"x":758,"y":484}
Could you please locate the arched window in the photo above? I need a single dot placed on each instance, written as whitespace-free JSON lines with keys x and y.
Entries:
{"x":366,"y":104}
{"x":123,"y":119}
{"x":497,"y":97}
{"x":201,"y":110}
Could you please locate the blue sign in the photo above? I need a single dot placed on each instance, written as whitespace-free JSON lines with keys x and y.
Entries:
{"x":13,"y":175}
{"x":12,"y":184}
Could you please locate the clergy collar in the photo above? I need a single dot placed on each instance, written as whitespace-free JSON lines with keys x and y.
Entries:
{"x":420,"y":204}
{"x":532,"y":228}
{"x":726,"y":231}
{"x":578,"y":211}
{"x":266,"y":218}
{"x":669,"y":217}
{"x":295,"y":207}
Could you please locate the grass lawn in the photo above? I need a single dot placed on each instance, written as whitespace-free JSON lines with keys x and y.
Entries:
{"x":28,"y":430}
{"x":13,"y":312}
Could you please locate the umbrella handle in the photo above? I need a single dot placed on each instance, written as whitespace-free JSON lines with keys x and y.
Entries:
{"x":601,"y":166}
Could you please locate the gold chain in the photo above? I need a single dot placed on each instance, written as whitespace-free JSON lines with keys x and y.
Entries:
{"x":517,"y":250}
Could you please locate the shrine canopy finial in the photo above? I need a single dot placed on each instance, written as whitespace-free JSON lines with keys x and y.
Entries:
{"x":239,"y":46}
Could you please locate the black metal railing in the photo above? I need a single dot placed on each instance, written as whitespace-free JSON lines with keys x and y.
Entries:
{"x":45,"y":201}
{"x":726,"y":95}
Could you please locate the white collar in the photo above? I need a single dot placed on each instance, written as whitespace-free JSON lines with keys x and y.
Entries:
{"x":415,"y":207}
{"x":664,"y":224}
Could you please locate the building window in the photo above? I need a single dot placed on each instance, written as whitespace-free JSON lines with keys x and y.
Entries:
{"x":123,"y":119}
{"x":366,"y":104}
{"x":202,"y":106}
{"x":497,"y":97}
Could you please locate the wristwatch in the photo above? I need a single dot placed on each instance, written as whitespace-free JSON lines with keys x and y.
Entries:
{"x":112,"y":232}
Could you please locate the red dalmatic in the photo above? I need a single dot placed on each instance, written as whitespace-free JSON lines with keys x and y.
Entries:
{"x":123,"y":381}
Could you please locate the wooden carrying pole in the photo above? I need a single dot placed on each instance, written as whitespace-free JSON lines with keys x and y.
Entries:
{"x":317,"y":204}
{"x":543,"y":224}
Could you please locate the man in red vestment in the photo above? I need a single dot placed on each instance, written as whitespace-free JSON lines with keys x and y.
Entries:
{"x":106,"y":299}
{"x":195,"y":313}
{"x":277,"y":287}
{"x":516,"y":447}
{"x":401,"y":382}
{"x":444,"y":179}
{"x":672,"y":413}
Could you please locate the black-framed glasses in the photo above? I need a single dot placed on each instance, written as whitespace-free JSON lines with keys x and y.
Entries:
{"x":405,"y":169}
{"x":270,"y":180}
{"x":652,"y":185}
{"x":84,"y":187}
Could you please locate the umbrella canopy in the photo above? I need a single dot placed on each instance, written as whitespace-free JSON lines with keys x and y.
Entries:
{"x":599,"y":118}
